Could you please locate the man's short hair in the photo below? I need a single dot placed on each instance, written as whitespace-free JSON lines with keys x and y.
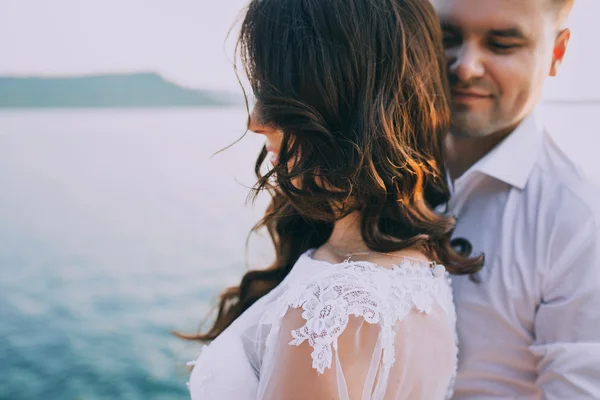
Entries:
{"x":562,"y":3}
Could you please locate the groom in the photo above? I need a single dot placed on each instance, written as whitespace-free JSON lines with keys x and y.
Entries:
{"x":530,"y":329}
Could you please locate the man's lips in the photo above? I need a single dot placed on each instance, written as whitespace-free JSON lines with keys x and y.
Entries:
{"x":465,"y":94}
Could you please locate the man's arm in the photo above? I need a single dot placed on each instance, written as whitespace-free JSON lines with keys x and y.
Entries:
{"x":567,"y":324}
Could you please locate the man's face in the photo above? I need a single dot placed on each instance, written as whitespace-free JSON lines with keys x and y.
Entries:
{"x":499,"y":53}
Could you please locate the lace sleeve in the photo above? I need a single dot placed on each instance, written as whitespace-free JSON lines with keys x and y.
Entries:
{"x":362,"y":332}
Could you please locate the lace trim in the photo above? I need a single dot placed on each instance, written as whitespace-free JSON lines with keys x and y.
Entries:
{"x":379,"y":295}
{"x":406,"y":267}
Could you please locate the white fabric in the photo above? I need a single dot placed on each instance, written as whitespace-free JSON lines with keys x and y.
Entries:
{"x":531,"y":328}
{"x":352,"y":330}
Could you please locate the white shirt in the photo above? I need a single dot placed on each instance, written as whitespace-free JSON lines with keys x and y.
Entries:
{"x":352,"y":330}
{"x":531,"y":328}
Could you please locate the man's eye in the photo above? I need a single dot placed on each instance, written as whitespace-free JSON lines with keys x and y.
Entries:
{"x":450,"y":41}
{"x":503,"y":47}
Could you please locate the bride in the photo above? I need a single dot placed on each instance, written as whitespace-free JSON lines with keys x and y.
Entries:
{"x":351,"y":99}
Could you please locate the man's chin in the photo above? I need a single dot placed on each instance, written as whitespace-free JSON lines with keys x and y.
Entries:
{"x":469,"y":126}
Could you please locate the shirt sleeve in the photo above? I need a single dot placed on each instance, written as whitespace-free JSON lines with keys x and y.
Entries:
{"x":345,"y":343}
{"x":567,"y":324}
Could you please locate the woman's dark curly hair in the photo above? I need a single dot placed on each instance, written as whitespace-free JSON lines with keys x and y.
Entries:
{"x":358,"y":89}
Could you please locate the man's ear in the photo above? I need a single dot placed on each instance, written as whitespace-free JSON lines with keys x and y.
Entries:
{"x":560,"y":48}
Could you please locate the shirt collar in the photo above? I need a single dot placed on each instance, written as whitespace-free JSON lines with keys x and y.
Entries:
{"x":513,"y":159}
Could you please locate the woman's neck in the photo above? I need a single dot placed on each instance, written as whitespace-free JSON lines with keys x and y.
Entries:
{"x":346,"y":242}
{"x":346,"y":236}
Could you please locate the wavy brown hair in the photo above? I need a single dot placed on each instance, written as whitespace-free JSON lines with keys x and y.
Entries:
{"x":359,"y":91}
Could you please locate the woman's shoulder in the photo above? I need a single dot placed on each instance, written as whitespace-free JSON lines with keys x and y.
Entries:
{"x":330,"y":301}
{"x":367,"y":289}
{"x":369,"y":273}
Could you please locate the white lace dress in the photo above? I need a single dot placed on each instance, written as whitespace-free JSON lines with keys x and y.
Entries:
{"x":352,"y":330}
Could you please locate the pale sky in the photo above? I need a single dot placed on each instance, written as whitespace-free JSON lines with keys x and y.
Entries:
{"x":185,"y":41}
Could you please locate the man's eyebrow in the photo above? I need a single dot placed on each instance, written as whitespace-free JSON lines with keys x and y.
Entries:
{"x":514,"y":33}
{"x":511,"y":33}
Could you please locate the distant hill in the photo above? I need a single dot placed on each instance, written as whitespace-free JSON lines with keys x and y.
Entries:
{"x":105,"y":91}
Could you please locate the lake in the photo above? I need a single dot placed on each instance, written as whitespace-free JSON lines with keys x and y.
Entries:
{"x":117,"y":226}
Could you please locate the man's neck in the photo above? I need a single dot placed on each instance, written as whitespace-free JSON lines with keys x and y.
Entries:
{"x":463,"y":152}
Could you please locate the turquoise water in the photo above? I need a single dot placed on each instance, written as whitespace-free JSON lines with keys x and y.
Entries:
{"x":117,"y":227}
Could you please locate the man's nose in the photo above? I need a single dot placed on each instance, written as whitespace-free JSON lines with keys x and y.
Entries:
{"x":466,"y":63}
